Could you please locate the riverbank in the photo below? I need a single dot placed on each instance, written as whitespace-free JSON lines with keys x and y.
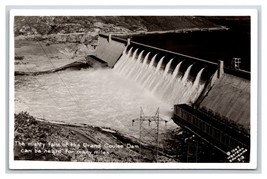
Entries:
{"x":41,"y":140}
{"x":74,"y":65}
{"x":33,"y":57}
{"x":184,"y":30}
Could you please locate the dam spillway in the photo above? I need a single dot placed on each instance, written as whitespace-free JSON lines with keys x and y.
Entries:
{"x":155,"y":75}
{"x":173,"y":77}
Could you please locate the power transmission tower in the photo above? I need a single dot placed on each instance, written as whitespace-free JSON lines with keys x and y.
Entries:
{"x":149,"y":132}
{"x":192,"y":149}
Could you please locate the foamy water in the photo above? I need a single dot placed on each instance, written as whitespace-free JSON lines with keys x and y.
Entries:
{"x":95,"y":97}
{"x":170,"y":87}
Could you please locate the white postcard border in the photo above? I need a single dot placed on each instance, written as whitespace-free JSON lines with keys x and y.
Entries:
{"x":13,"y":164}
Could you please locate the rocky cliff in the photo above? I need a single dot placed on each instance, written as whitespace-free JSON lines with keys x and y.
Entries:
{"x":45,"y":25}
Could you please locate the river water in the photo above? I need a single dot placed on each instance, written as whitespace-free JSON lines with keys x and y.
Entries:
{"x":213,"y":46}
{"x":95,"y":97}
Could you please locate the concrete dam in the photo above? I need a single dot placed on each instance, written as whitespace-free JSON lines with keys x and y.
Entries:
{"x":209,"y":100}
{"x":174,"y":77}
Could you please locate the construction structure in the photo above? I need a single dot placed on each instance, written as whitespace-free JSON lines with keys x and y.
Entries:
{"x":149,"y":131}
{"x":235,"y":63}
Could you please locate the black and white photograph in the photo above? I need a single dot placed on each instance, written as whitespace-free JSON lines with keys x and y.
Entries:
{"x":123,"y":89}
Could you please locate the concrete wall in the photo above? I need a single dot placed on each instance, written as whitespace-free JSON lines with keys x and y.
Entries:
{"x":95,"y":62}
{"x":230,"y":97}
{"x":109,"y":50}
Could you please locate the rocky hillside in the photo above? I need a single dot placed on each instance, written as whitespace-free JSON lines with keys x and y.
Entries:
{"x":45,"y":25}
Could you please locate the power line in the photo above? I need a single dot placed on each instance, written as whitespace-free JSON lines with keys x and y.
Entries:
{"x":68,"y":117}
{"x":74,"y":99}
{"x":71,"y":49}
{"x":151,"y":133}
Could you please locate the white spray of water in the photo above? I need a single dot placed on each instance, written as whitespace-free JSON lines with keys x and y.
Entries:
{"x":170,"y":87}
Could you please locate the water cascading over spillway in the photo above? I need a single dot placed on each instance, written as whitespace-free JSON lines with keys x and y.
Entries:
{"x":153,"y":75}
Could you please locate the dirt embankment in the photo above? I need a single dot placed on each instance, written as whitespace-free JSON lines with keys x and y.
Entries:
{"x":36,"y":54}
{"x":76,"y":65}
{"x":47,"y":141}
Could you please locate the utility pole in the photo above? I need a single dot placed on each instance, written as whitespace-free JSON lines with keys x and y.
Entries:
{"x":236,"y":63}
{"x":192,"y":148}
{"x":149,"y":132}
